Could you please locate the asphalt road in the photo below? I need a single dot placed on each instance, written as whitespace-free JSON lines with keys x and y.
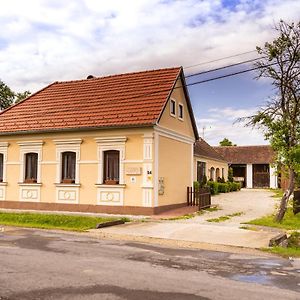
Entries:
{"x":37,"y":264}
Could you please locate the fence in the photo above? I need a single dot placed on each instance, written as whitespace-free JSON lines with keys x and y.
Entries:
{"x":200,"y":197}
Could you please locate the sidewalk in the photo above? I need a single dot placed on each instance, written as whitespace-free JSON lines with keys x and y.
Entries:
{"x":251,"y":203}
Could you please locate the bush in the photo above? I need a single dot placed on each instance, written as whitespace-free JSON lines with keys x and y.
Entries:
{"x":196,"y":185}
{"x":223,"y":187}
{"x":204,"y":181}
{"x":213,"y":186}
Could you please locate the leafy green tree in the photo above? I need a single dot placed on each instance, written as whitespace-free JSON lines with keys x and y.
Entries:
{"x":21,"y":96}
{"x":226,"y":142}
{"x":279,"y":118}
{"x":9,"y":97}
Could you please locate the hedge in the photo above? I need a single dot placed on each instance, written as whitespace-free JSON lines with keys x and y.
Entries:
{"x":220,"y":187}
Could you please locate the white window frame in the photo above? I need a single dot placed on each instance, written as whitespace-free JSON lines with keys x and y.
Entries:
{"x":171,"y":106}
{"x":106,"y":144}
{"x":67,"y":145}
{"x":182,"y":107}
{"x":30,"y":147}
{"x":3,"y":150}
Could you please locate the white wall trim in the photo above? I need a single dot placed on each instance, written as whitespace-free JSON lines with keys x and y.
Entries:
{"x":106,"y":144}
{"x":249,"y":176}
{"x":110,"y":195}
{"x":67,"y":194}
{"x":112,"y":139}
{"x":273,"y":178}
{"x":170,"y":107}
{"x":183,"y":111}
{"x":65,"y":146}
{"x":30,"y":192}
{"x":173,"y":135}
{"x":30,"y":147}
{"x":156,"y":164}
{"x":3,"y":150}
{"x":67,"y":142}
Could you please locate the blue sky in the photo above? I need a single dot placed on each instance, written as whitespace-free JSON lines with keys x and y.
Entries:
{"x":42,"y":41}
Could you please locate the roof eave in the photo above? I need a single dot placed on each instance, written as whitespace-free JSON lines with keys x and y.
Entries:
{"x":74,"y":129}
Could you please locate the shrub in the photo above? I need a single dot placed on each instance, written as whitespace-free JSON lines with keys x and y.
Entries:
{"x":196,"y":185}
{"x":223,"y":187}
{"x":213,"y":186}
{"x":204,"y":181}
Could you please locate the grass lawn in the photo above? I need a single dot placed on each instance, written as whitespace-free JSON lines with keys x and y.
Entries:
{"x":52,"y":221}
{"x":225,"y":218}
{"x":292,"y":250}
{"x":289,"y":222}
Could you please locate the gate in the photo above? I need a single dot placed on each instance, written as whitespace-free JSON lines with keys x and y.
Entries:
{"x":200,"y":197}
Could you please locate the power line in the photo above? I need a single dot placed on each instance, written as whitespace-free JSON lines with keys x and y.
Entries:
{"x":218,"y":59}
{"x":224,"y":67}
{"x":228,"y":75}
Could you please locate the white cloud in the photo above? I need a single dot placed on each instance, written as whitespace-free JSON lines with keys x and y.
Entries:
{"x":222,"y":122}
{"x":42,"y":41}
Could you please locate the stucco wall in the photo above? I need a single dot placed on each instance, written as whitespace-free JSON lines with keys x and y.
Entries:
{"x":184,"y":126}
{"x":174,"y":166}
{"x":88,"y":166}
{"x":210,"y":163}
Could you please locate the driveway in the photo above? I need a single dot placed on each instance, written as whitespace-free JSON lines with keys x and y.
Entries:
{"x":250,"y":204}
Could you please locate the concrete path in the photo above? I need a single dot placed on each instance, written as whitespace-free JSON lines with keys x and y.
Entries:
{"x":251,"y":203}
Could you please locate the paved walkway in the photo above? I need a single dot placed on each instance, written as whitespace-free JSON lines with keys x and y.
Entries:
{"x":251,"y":203}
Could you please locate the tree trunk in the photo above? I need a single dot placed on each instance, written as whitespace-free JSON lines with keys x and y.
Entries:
{"x":286,"y":196}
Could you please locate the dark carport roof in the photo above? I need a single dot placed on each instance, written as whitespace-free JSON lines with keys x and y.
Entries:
{"x":262,"y":154}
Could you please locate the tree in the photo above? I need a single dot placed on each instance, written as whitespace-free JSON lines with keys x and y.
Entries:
{"x":21,"y":96}
{"x":279,"y":118}
{"x":6,"y":96}
{"x":9,"y":97}
{"x":226,"y":142}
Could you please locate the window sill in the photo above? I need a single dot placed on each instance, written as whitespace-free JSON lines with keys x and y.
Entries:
{"x":3,"y":183}
{"x":120,"y":186}
{"x":29,"y":184}
{"x":68,"y":184}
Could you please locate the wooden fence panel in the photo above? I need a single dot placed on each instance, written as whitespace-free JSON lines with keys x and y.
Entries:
{"x":200,"y":197}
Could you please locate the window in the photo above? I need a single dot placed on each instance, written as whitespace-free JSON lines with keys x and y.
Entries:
{"x":201,"y":166}
{"x":173,"y":107}
{"x":68,"y":167}
{"x":111,"y":167}
{"x":180,"y":111}
{"x":1,"y":167}
{"x":223,"y":173}
{"x":212,"y":173}
{"x":31,"y":167}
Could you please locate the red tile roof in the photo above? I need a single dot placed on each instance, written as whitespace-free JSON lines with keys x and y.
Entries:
{"x":203,"y":149}
{"x":132,"y":99}
{"x":247,"y":154}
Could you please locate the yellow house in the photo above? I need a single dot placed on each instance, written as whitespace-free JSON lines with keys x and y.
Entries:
{"x":116,"y":144}
{"x":208,"y":162}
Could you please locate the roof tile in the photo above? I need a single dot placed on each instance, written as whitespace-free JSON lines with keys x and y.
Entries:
{"x":118,"y":100}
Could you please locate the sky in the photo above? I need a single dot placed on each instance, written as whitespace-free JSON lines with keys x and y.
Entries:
{"x":42,"y":41}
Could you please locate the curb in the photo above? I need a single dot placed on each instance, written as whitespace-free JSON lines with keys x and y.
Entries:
{"x":109,"y":224}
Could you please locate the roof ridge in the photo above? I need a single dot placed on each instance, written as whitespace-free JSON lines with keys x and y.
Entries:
{"x":118,"y":75}
{"x":242,"y":146}
{"x":31,"y":95}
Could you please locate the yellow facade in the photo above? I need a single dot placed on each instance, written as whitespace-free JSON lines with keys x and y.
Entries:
{"x":156,"y":164}
{"x":209,"y":164}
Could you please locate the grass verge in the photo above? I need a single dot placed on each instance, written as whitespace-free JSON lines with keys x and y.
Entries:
{"x":53,"y":221}
{"x":292,"y":249}
{"x":225,"y":218}
{"x":289,"y":222}
{"x":278,"y":193}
